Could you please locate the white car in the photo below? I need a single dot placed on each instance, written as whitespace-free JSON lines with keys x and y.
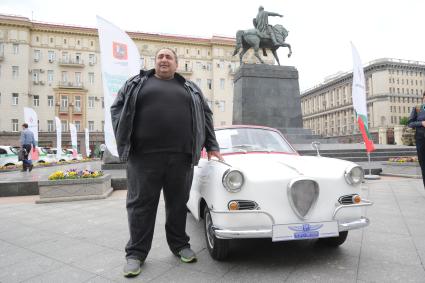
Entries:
{"x":69,"y":153}
{"x":45,"y":155}
{"x":265,"y":189}
{"x":8,"y":156}
{"x":65,"y":156}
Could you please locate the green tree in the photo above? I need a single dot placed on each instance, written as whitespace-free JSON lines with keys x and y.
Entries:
{"x":404,"y":120}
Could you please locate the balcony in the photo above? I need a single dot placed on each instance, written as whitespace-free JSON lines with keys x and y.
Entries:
{"x":71,"y":85}
{"x":63,"y":109}
{"x":77,"y":110}
{"x":71,"y":63}
{"x":187,"y":70}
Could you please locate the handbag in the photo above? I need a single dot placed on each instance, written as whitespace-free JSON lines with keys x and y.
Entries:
{"x":21,"y":154}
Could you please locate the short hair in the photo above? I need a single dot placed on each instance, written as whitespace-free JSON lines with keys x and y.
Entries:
{"x":25,"y":125}
{"x":261,"y":8}
{"x":168,"y":48}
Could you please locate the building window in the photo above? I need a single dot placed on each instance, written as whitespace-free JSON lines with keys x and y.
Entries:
{"x":64,"y":103}
{"x":50,"y":76}
{"x":91,"y":78}
{"x":15,"y":126}
{"x":35,"y":76}
{"x":91,"y":126}
{"x":103,"y":126}
{"x":198,"y":82}
{"x":15,"y":48}
{"x":50,"y":127}
{"x":77,"y":125}
{"x":15,"y":72}
{"x":92,"y":59}
{"x":78,"y":78}
{"x":50,"y":100}
{"x":15,"y":98}
{"x":51,"y":56}
{"x":103,"y":102}
{"x":77,"y":106}
{"x":221,"y":83}
{"x":142,"y":63}
{"x":91,"y":102}
{"x":64,"y":41}
{"x":51,"y":40}
{"x":37,"y":55}
{"x":64,"y":76}
{"x":36,"y":100}
{"x":209,"y":83}
{"x":222,"y":105}
{"x":64,"y":125}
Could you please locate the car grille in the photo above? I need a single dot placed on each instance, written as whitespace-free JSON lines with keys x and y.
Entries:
{"x":302,"y":195}
{"x":347,"y":199}
{"x":246,"y":204}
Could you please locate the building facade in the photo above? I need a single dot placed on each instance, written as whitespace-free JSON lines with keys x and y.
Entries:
{"x":393,"y":87}
{"x":55,"y":69}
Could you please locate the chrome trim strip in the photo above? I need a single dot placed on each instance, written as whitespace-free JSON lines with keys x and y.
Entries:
{"x":235,"y":234}
{"x":291,"y":201}
{"x":356,"y":224}
{"x":243,"y":211}
{"x":364,"y":202}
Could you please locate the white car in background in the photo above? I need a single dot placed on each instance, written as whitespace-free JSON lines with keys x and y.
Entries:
{"x":45,"y":155}
{"x":8,"y":156}
{"x":265,"y":189}
{"x":69,"y":153}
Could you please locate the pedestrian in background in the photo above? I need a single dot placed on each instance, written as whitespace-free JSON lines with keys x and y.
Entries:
{"x":27,"y":144}
{"x":417,"y":121}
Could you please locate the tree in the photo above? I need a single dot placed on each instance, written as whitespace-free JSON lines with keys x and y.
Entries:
{"x":404,"y":120}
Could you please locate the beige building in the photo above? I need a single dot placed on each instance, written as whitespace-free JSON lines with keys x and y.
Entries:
{"x":55,"y":69}
{"x":393,"y":87}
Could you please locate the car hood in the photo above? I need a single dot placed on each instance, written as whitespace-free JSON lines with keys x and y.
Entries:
{"x":286,"y":165}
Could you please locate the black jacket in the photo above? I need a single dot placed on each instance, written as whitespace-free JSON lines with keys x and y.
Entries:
{"x":123,"y":112}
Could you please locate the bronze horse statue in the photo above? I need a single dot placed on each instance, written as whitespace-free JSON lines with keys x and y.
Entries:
{"x":250,"y":39}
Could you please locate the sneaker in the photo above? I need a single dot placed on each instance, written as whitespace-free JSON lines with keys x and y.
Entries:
{"x":187,"y":255}
{"x":132,"y":267}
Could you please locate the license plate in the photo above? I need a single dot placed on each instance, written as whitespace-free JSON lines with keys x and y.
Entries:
{"x":300,"y":231}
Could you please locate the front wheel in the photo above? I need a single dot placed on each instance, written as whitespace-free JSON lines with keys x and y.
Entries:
{"x":334,"y":241}
{"x":218,"y":248}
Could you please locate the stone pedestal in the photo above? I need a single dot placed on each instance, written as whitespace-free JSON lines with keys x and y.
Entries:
{"x":398,"y":133}
{"x":382,"y":135}
{"x":267,"y":95}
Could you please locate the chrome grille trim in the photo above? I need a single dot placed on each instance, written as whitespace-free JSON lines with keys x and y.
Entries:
{"x":302,"y":199}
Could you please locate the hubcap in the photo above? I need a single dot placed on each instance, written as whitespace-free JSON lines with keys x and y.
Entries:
{"x":209,"y":230}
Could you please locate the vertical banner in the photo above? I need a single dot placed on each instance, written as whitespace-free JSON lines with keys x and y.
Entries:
{"x":58,"y":138}
{"x":73,"y":131}
{"x":30,"y":117}
{"x":120,"y":60}
{"x":359,"y":99}
{"x":87,"y":142}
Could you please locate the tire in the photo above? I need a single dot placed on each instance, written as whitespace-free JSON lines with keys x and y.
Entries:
{"x":218,"y":248}
{"x":334,"y":241}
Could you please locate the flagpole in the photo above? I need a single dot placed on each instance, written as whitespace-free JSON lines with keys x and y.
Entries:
{"x":370,"y":176}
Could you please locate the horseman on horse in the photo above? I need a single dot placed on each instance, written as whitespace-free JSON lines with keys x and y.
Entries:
{"x":264,"y":36}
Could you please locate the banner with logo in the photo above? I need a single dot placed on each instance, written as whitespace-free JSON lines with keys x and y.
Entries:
{"x":120,"y":60}
{"x":30,"y":117}
{"x":73,"y":131}
{"x":87,"y":142}
{"x":58,"y":138}
{"x":359,"y":99}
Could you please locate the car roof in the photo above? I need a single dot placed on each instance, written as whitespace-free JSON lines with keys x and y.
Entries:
{"x":246,"y":126}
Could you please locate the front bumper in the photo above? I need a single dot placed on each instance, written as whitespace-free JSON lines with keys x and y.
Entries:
{"x":267,"y":233}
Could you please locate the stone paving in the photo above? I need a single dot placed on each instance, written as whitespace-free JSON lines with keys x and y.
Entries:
{"x":84,"y":242}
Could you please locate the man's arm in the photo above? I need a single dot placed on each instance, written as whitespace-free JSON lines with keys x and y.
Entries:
{"x":116,"y":107}
{"x":413,"y":122}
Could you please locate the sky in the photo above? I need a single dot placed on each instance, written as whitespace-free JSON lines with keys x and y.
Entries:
{"x":319,"y":31}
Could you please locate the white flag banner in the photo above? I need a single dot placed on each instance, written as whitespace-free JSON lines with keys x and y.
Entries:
{"x":120,"y":60}
{"x":87,"y":142}
{"x":359,"y":99}
{"x":58,"y":138}
{"x":73,"y":131}
{"x":30,"y":117}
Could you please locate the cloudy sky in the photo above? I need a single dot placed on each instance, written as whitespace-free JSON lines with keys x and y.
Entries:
{"x":319,"y":31}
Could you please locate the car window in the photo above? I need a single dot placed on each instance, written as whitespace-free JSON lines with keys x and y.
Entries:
{"x":251,"y":139}
{"x":3,"y":151}
{"x":14,"y":150}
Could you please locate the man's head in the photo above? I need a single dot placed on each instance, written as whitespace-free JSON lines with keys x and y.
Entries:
{"x":165,"y":63}
{"x":261,"y":8}
{"x":25,"y":125}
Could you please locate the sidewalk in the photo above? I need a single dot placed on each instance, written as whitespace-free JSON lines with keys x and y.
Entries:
{"x":84,"y":242}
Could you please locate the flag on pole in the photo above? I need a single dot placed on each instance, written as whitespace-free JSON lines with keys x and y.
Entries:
{"x":58,"y":138}
{"x":359,"y":99}
{"x":120,"y":60}
{"x":73,"y":131}
{"x":87,"y":142}
{"x":30,"y":117}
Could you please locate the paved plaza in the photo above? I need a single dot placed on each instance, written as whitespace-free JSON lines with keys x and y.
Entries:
{"x":84,"y":241}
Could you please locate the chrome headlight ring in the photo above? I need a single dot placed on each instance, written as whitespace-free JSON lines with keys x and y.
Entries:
{"x":354,"y":175}
{"x":233,"y":180}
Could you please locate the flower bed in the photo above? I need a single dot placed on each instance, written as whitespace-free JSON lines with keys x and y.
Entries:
{"x":42,"y":164}
{"x":73,"y":185}
{"x":403,"y":159}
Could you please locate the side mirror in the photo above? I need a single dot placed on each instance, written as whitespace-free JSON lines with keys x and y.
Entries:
{"x":316,"y":145}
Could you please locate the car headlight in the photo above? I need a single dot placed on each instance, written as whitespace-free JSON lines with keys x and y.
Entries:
{"x":233,"y":180}
{"x":354,"y":175}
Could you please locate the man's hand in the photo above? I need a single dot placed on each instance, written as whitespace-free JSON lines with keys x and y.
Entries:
{"x":423,"y":123}
{"x":215,"y":154}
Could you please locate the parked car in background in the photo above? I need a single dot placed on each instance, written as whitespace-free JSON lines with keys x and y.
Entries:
{"x":9,"y":156}
{"x":45,"y":155}
{"x":265,"y":189}
{"x":69,"y":153}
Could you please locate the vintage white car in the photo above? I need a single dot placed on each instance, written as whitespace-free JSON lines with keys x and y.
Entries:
{"x":265,"y":189}
{"x":8,"y":156}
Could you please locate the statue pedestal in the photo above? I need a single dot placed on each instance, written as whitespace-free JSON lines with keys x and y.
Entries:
{"x":267,"y":95}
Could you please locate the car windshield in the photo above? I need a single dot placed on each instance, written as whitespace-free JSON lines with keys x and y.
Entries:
{"x":14,"y":150}
{"x":251,"y":139}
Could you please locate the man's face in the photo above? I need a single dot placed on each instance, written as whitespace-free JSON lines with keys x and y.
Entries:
{"x":165,"y":64}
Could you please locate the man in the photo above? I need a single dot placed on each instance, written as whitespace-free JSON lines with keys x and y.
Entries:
{"x":417,"y":122}
{"x":161,"y":123}
{"x":27,"y":140}
{"x":261,"y":23}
